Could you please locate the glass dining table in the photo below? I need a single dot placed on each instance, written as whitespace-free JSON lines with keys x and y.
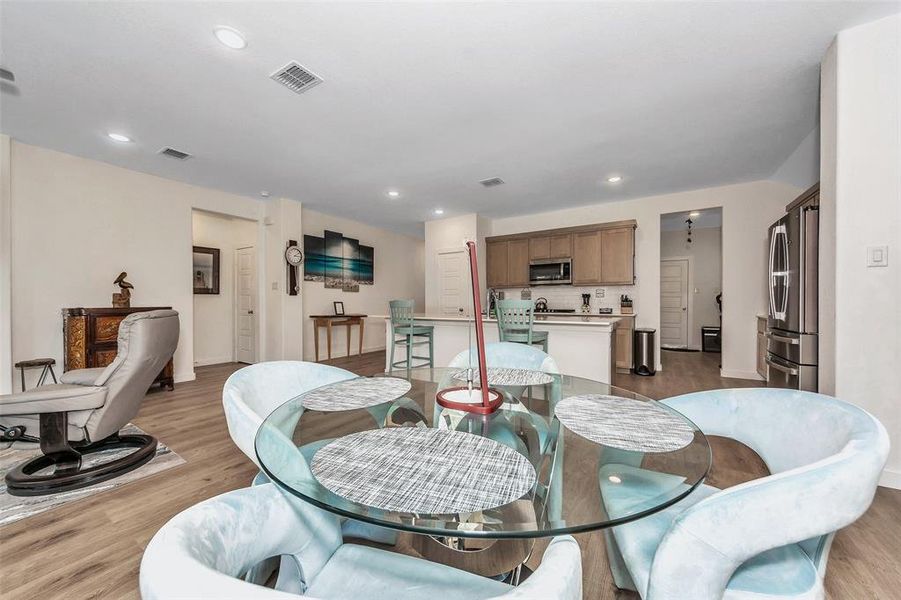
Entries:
{"x":562,"y":455}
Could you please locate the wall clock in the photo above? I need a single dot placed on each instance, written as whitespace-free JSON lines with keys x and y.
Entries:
{"x":294,"y":258}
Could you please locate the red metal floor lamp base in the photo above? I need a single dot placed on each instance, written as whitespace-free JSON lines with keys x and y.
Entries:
{"x":450,"y":398}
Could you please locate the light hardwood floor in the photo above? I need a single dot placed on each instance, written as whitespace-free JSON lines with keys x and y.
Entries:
{"x":92,"y":548}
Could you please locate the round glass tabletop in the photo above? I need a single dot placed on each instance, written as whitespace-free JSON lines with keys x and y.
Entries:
{"x":525,"y":471}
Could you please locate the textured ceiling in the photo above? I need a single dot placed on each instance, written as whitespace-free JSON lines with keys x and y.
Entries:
{"x":426,"y":98}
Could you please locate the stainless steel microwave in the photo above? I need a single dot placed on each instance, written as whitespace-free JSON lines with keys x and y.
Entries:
{"x":553,"y":271}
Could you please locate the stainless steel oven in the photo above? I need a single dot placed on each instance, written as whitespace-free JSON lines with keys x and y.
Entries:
{"x":553,"y":271}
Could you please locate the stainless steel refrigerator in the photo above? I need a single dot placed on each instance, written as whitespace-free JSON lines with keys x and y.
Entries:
{"x":792,"y":324}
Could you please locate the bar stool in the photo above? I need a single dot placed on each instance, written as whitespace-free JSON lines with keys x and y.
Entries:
{"x":47,"y":363}
{"x":404,"y":325}
{"x":514,"y":323}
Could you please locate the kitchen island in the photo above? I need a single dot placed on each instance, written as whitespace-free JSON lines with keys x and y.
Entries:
{"x":582,"y":345}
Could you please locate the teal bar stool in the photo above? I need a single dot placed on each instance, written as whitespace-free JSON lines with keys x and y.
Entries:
{"x":408,"y":334}
{"x":514,"y":323}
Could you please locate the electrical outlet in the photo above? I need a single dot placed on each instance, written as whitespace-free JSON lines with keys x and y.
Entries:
{"x":600,"y":292}
{"x":275,"y":285}
{"x":877,"y":256}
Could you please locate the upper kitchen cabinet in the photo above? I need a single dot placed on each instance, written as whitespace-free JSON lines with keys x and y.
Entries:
{"x":602,"y":254}
{"x":497,"y":263}
{"x":518,"y":263}
{"x":587,"y":257}
{"x":618,"y":256}
{"x":551,"y":246}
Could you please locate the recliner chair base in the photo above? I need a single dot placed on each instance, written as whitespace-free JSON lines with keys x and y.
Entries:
{"x":67,"y":474}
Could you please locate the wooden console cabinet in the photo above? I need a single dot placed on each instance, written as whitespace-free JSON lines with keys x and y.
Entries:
{"x":90,"y":338}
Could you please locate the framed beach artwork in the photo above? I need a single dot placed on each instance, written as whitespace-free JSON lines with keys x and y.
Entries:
{"x":339,"y":262}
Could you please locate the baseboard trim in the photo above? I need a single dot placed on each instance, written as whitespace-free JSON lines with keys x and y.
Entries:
{"x":185,"y":376}
{"x":216,"y":360}
{"x":890,"y":479}
{"x":735,"y":374}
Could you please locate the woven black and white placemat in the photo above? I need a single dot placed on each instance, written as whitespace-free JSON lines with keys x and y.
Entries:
{"x":356,"y":393}
{"x":624,"y":423}
{"x":503,"y":376}
{"x":423,"y":471}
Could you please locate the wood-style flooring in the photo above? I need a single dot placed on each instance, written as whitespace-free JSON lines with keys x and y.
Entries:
{"x":92,"y":548}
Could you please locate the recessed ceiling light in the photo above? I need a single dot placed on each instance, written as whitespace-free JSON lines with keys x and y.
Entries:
{"x":439,"y":211}
{"x":231,"y":37}
{"x":694,"y":213}
{"x":393,"y":194}
{"x":614,"y":179}
{"x":264,"y":194}
{"x":118,"y":137}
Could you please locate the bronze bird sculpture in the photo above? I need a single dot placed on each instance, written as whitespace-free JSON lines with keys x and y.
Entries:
{"x":122,"y":299}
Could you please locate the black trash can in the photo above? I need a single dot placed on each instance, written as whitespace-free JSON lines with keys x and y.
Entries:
{"x":643,"y":362}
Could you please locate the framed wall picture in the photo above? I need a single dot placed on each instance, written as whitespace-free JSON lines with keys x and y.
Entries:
{"x":339,"y":308}
{"x":206,"y":270}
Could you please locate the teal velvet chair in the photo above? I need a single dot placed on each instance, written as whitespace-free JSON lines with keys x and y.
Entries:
{"x":203,"y":553}
{"x":250,"y":394}
{"x":515,"y":321}
{"x":767,"y":538}
{"x":409,"y":335}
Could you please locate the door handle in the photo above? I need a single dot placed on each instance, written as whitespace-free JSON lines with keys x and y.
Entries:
{"x":249,"y":312}
{"x":684,"y":308}
{"x":781,"y":338}
{"x":784,"y":369}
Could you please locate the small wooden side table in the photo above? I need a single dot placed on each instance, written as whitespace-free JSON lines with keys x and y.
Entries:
{"x":329,"y":321}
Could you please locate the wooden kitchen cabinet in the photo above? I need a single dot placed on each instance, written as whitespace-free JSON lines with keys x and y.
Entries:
{"x":539,"y":248}
{"x":623,"y":334}
{"x":497,"y":264}
{"x":518,"y":263}
{"x":561,"y":246}
{"x":586,"y":267}
{"x":618,"y":256}
{"x":761,"y":347}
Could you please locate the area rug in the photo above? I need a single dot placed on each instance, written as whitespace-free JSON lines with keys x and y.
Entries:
{"x":15,"y":508}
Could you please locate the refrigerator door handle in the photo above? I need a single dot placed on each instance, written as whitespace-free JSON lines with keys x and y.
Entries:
{"x":781,"y":338}
{"x":772,"y":285}
{"x":778,"y":313}
{"x":780,"y":367}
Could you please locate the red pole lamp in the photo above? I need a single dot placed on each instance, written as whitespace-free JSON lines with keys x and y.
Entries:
{"x":480,"y":400}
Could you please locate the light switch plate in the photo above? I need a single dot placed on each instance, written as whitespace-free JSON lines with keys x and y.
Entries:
{"x":275,"y":285}
{"x":877,"y":256}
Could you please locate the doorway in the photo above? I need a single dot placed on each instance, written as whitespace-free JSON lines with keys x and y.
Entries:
{"x":691,"y":259}
{"x":246,"y":305}
{"x":453,"y":282}
{"x":226,"y":319}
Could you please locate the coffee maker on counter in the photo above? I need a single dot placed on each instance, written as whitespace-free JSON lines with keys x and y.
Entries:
{"x":586,"y":303}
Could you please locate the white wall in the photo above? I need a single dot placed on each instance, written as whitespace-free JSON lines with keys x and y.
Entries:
{"x":284,"y":320}
{"x":446,"y":234}
{"x":705,"y":274}
{"x":802,"y":167}
{"x":862,"y":206}
{"x":6,"y":361}
{"x":77,"y":223}
{"x":399,"y":273}
{"x":214,"y":314}
{"x":748,"y":210}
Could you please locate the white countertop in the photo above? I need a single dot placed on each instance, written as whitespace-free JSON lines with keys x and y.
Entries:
{"x":550,"y":319}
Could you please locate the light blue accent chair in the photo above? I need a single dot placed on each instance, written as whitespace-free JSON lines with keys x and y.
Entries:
{"x":253,"y":392}
{"x":511,"y":355}
{"x":203,"y":552}
{"x":767,"y":538}
{"x":407,"y":333}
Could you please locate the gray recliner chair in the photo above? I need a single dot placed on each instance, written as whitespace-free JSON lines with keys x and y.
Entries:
{"x":85,"y":411}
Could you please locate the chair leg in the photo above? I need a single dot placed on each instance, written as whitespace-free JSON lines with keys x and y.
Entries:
{"x":431,"y":349}
{"x":409,"y":352}
{"x":393,"y":346}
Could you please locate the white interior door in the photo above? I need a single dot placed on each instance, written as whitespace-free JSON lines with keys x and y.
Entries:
{"x":245,"y":305}
{"x":454,"y":285}
{"x":674,"y":303}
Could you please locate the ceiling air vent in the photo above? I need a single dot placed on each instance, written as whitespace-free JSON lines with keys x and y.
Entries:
{"x":492,"y":182}
{"x":174,"y":153}
{"x":296,"y":78}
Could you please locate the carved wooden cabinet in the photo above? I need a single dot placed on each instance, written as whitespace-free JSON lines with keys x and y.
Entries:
{"x":90,"y":338}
